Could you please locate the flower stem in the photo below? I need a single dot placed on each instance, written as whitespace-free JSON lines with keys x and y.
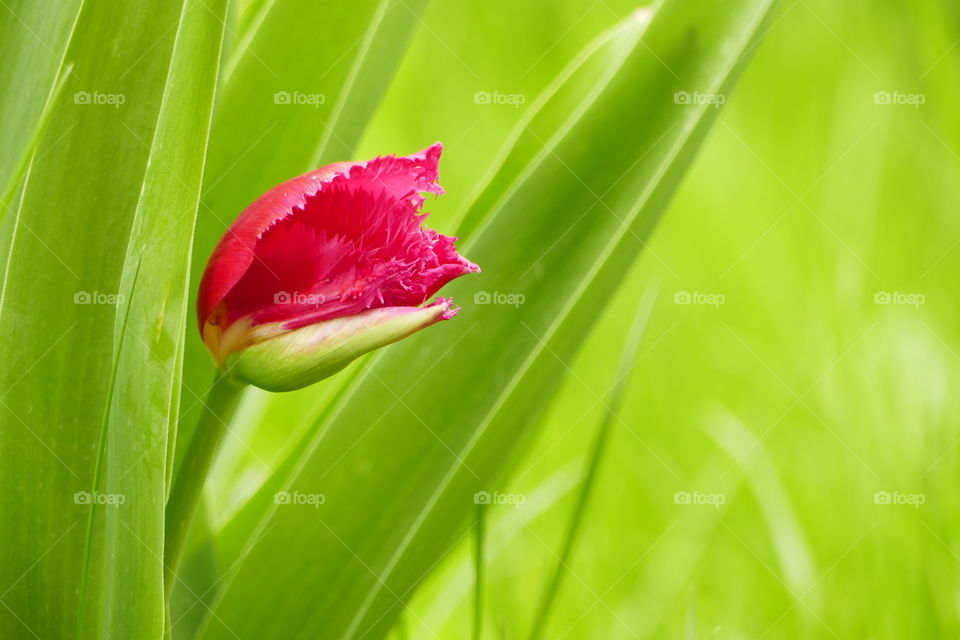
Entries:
{"x":478,"y":558}
{"x":218,"y":407}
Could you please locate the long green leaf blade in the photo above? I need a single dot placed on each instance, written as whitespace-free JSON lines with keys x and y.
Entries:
{"x":92,"y":313}
{"x":33,"y":42}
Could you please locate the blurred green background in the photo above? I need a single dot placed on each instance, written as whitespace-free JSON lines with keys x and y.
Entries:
{"x":783,"y":463}
{"x":799,"y":399}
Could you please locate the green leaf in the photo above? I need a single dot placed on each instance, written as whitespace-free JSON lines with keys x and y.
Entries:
{"x":93,"y":313}
{"x":33,"y":41}
{"x":401,"y":454}
{"x":594,"y":462}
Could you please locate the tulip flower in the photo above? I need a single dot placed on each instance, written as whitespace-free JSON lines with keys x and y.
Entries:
{"x":317,"y":271}
{"x":325,"y":267}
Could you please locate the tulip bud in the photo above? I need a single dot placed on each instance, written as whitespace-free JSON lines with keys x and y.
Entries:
{"x":295,"y":359}
{"x":326,"y":267}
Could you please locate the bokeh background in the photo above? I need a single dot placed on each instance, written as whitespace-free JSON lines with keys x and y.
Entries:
{"x":782,"y":462}
{"x":817,"y":397}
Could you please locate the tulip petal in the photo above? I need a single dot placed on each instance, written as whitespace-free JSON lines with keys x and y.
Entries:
{"x":345,"y":251}
{"x":397,"y":178}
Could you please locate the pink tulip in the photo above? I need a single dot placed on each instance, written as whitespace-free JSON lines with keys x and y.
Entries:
{"x":325,"y":267}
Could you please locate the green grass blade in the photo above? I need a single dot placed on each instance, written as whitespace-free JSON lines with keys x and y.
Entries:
{"x":33,"y":42}
{"x":552,"y":114}
{"x":785,"y":531}
{"x":155,"y":279}
{"x":16,"y":176}
{"x":450,"y":587}
{"x":479,"y":558}
{"x":401,"y":456}
{"x":91,"y":383}
{"x":596,"y":456}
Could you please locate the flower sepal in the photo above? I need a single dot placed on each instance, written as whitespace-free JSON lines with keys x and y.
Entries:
{"x":286,"y":360}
